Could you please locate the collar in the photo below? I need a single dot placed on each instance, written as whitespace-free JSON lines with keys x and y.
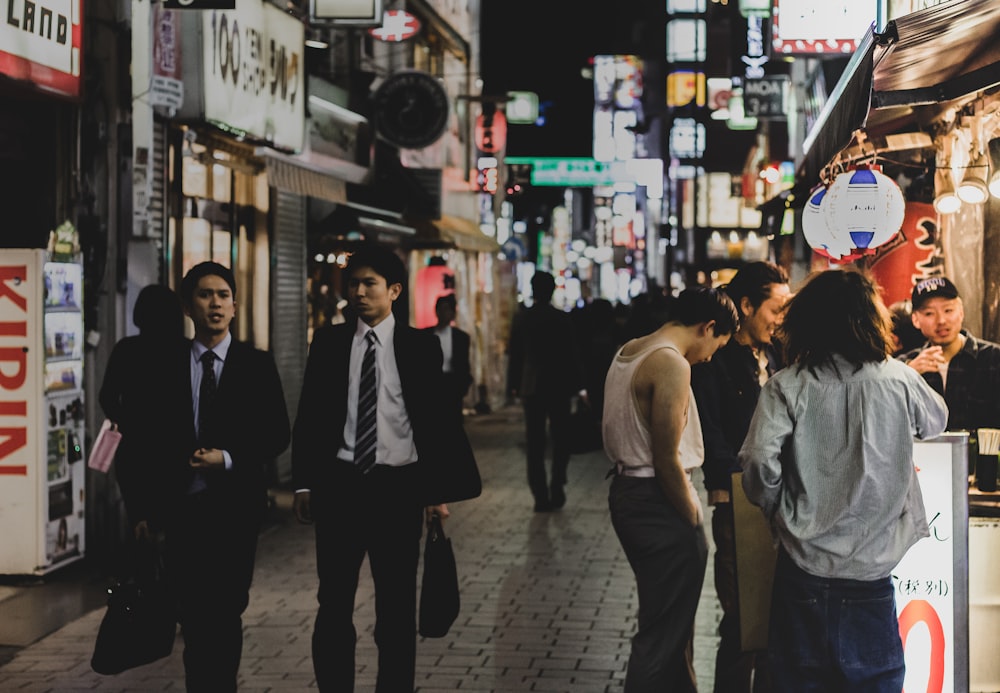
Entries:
{"x":221,"y":349}
{"x":383,"y":331}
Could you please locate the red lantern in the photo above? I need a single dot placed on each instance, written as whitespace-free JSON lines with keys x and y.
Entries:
{"x":491,"y":132}
{"x":433,"y":281}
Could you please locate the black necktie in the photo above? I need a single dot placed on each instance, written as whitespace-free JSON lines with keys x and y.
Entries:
{"x":206,"y":394}
{"x":365,"y":436}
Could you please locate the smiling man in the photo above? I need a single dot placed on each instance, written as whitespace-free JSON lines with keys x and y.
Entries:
{"x":960,"y":367}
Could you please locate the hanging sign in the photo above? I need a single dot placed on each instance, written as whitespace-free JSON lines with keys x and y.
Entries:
{"x":397,"y":25}
{"x":43,"y":45}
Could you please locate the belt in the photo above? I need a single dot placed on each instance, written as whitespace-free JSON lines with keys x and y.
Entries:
{"x":621,"y":470}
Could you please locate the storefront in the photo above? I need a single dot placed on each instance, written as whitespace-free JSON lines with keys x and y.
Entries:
{"x":920,"y":99}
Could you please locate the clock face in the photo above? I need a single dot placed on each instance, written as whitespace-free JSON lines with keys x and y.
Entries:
{"x":411,"y":109}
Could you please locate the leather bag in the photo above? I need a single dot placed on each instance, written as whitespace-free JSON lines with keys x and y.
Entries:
{"x":140,"y":622}
{"x":439,"y":597}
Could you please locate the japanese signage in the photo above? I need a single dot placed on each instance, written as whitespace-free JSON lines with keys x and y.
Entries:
{"x":168,"y":83}
{"x":254,"y":80}
{"x":40,"y":42}
{"x":199,"y":4}
{"x":931,"y":585}
{"x":352,"y":12}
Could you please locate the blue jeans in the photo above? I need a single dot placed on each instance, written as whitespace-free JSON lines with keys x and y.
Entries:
{"x":831,"y":635}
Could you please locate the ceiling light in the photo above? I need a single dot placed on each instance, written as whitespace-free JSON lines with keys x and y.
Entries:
{"x":973,"y":187}
{"x":945,"y":200}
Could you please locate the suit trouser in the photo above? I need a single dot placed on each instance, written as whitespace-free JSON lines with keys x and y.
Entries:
{"x":373,"y":514}
{"x":540,"y":411}
{"x":668,"y":557}
{"x":211,"y":548}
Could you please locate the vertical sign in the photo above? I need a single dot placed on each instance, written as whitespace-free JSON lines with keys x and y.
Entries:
{"x":932,"y":579}
{"x":21,"y":363}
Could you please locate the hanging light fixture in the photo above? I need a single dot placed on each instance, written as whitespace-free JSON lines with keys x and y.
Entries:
{"x":945,"y":199}
{"x":973,"y":187}
{"x":865,"y":206}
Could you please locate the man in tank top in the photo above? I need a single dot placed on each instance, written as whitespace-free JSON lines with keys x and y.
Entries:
{"x":653,"y":437}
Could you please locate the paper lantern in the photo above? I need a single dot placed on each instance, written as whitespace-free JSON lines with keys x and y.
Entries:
{"x":865,"y":204}
{"x":820,"y":236}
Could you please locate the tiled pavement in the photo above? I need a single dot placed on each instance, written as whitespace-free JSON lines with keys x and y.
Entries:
{"x":548,"y":599}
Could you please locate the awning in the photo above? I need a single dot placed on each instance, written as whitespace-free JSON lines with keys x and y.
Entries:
{"x":312,"y":174}
{"x":924,"y":64}
{"x":451,"y":232}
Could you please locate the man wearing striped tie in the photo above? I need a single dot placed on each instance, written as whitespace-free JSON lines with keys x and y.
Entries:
{"x":372,"y":456}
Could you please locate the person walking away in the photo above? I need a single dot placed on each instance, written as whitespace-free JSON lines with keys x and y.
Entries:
{"x":455,"y":345}
{"x":726,"y":391}
{"x":653,"y":438}
{"x":545,"y":370}
{"x":965,"y":370}
{"x":829,"y":460}
{"x":373,"y":454}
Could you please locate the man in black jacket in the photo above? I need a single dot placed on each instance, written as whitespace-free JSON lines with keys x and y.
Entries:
{"x":372,"y":453}
{"x":222,"y":422}
{"x":726,"y":390}
{"x":545,"y":370}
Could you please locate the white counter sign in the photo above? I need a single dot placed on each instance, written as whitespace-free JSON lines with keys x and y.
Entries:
{"x":254,"y":74}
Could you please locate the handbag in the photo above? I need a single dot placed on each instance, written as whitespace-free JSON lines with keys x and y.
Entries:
{"x":439,"y":599}
{"x":140,"y":622}
{"x":102,"y":453}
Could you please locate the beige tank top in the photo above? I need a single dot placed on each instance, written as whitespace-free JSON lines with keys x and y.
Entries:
{"x":627,"y":436}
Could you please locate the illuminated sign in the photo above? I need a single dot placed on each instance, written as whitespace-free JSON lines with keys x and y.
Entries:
{"x":254,"y":79}
{"x":40,"y":42}
{"x":811,"y":27}
{"x":397,"y":25}
{"x":347,"y":12}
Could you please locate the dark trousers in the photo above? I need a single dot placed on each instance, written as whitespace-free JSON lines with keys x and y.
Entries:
{"x":736,"y":671}
{"x":210,"y":551}
{"x":540,"y":413}
{"x":668,"y":557}
{"x":831,"y":635}
{"x":374,"y":514}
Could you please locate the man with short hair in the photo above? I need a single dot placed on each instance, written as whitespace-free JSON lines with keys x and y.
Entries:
{"x":726,"y":390}
{"x":964,"y":369}
{"x":455,"y":345}
{"x":653,"y":438}
{"x":545,"y":370}
{"x":373,"y":453}
{"x":224,"y":423}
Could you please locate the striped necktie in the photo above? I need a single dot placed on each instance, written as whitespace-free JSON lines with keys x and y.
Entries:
{"x":365,"y":437}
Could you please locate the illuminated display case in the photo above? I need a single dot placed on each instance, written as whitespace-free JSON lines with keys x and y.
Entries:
{"x":42,"y":456}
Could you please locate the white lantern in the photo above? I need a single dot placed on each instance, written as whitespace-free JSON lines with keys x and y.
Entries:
{"x":866,"y":205}
{"x":820,"y":236}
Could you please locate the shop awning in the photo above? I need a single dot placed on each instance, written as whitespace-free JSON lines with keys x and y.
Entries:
{"x":451,"y":232}
{"x":312,"y":174}
{"x":924,"y":64}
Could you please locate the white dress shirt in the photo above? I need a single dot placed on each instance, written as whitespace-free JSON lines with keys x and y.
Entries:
{"x":395,"y":446}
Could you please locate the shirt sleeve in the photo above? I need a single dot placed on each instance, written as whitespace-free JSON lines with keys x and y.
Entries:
{"x":760,"y":455}
{"x":929,"y":411}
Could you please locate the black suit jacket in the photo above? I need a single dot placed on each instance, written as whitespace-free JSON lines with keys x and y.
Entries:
{"x":248,"y":419}
{"x":461,"y":369}
{"x":446,"y":464}
{"x":544,"y":355}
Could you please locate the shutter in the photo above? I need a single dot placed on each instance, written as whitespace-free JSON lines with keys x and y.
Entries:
{"x":288,"y":304}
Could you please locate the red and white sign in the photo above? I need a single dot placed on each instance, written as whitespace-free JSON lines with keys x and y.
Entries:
{"x":42,"y":43}
{"x":397,"y":25}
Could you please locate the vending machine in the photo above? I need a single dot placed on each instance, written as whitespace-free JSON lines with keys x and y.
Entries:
{"x":42,"y":467}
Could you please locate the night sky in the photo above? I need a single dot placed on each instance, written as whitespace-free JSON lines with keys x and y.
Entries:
{"x":542,"y":46}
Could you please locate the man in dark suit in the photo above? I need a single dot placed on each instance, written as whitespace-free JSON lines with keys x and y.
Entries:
{"x":455,"y":345}
{"x":545,"y":370}
{"x":224,"y":422}
{"x":372,"y":455}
